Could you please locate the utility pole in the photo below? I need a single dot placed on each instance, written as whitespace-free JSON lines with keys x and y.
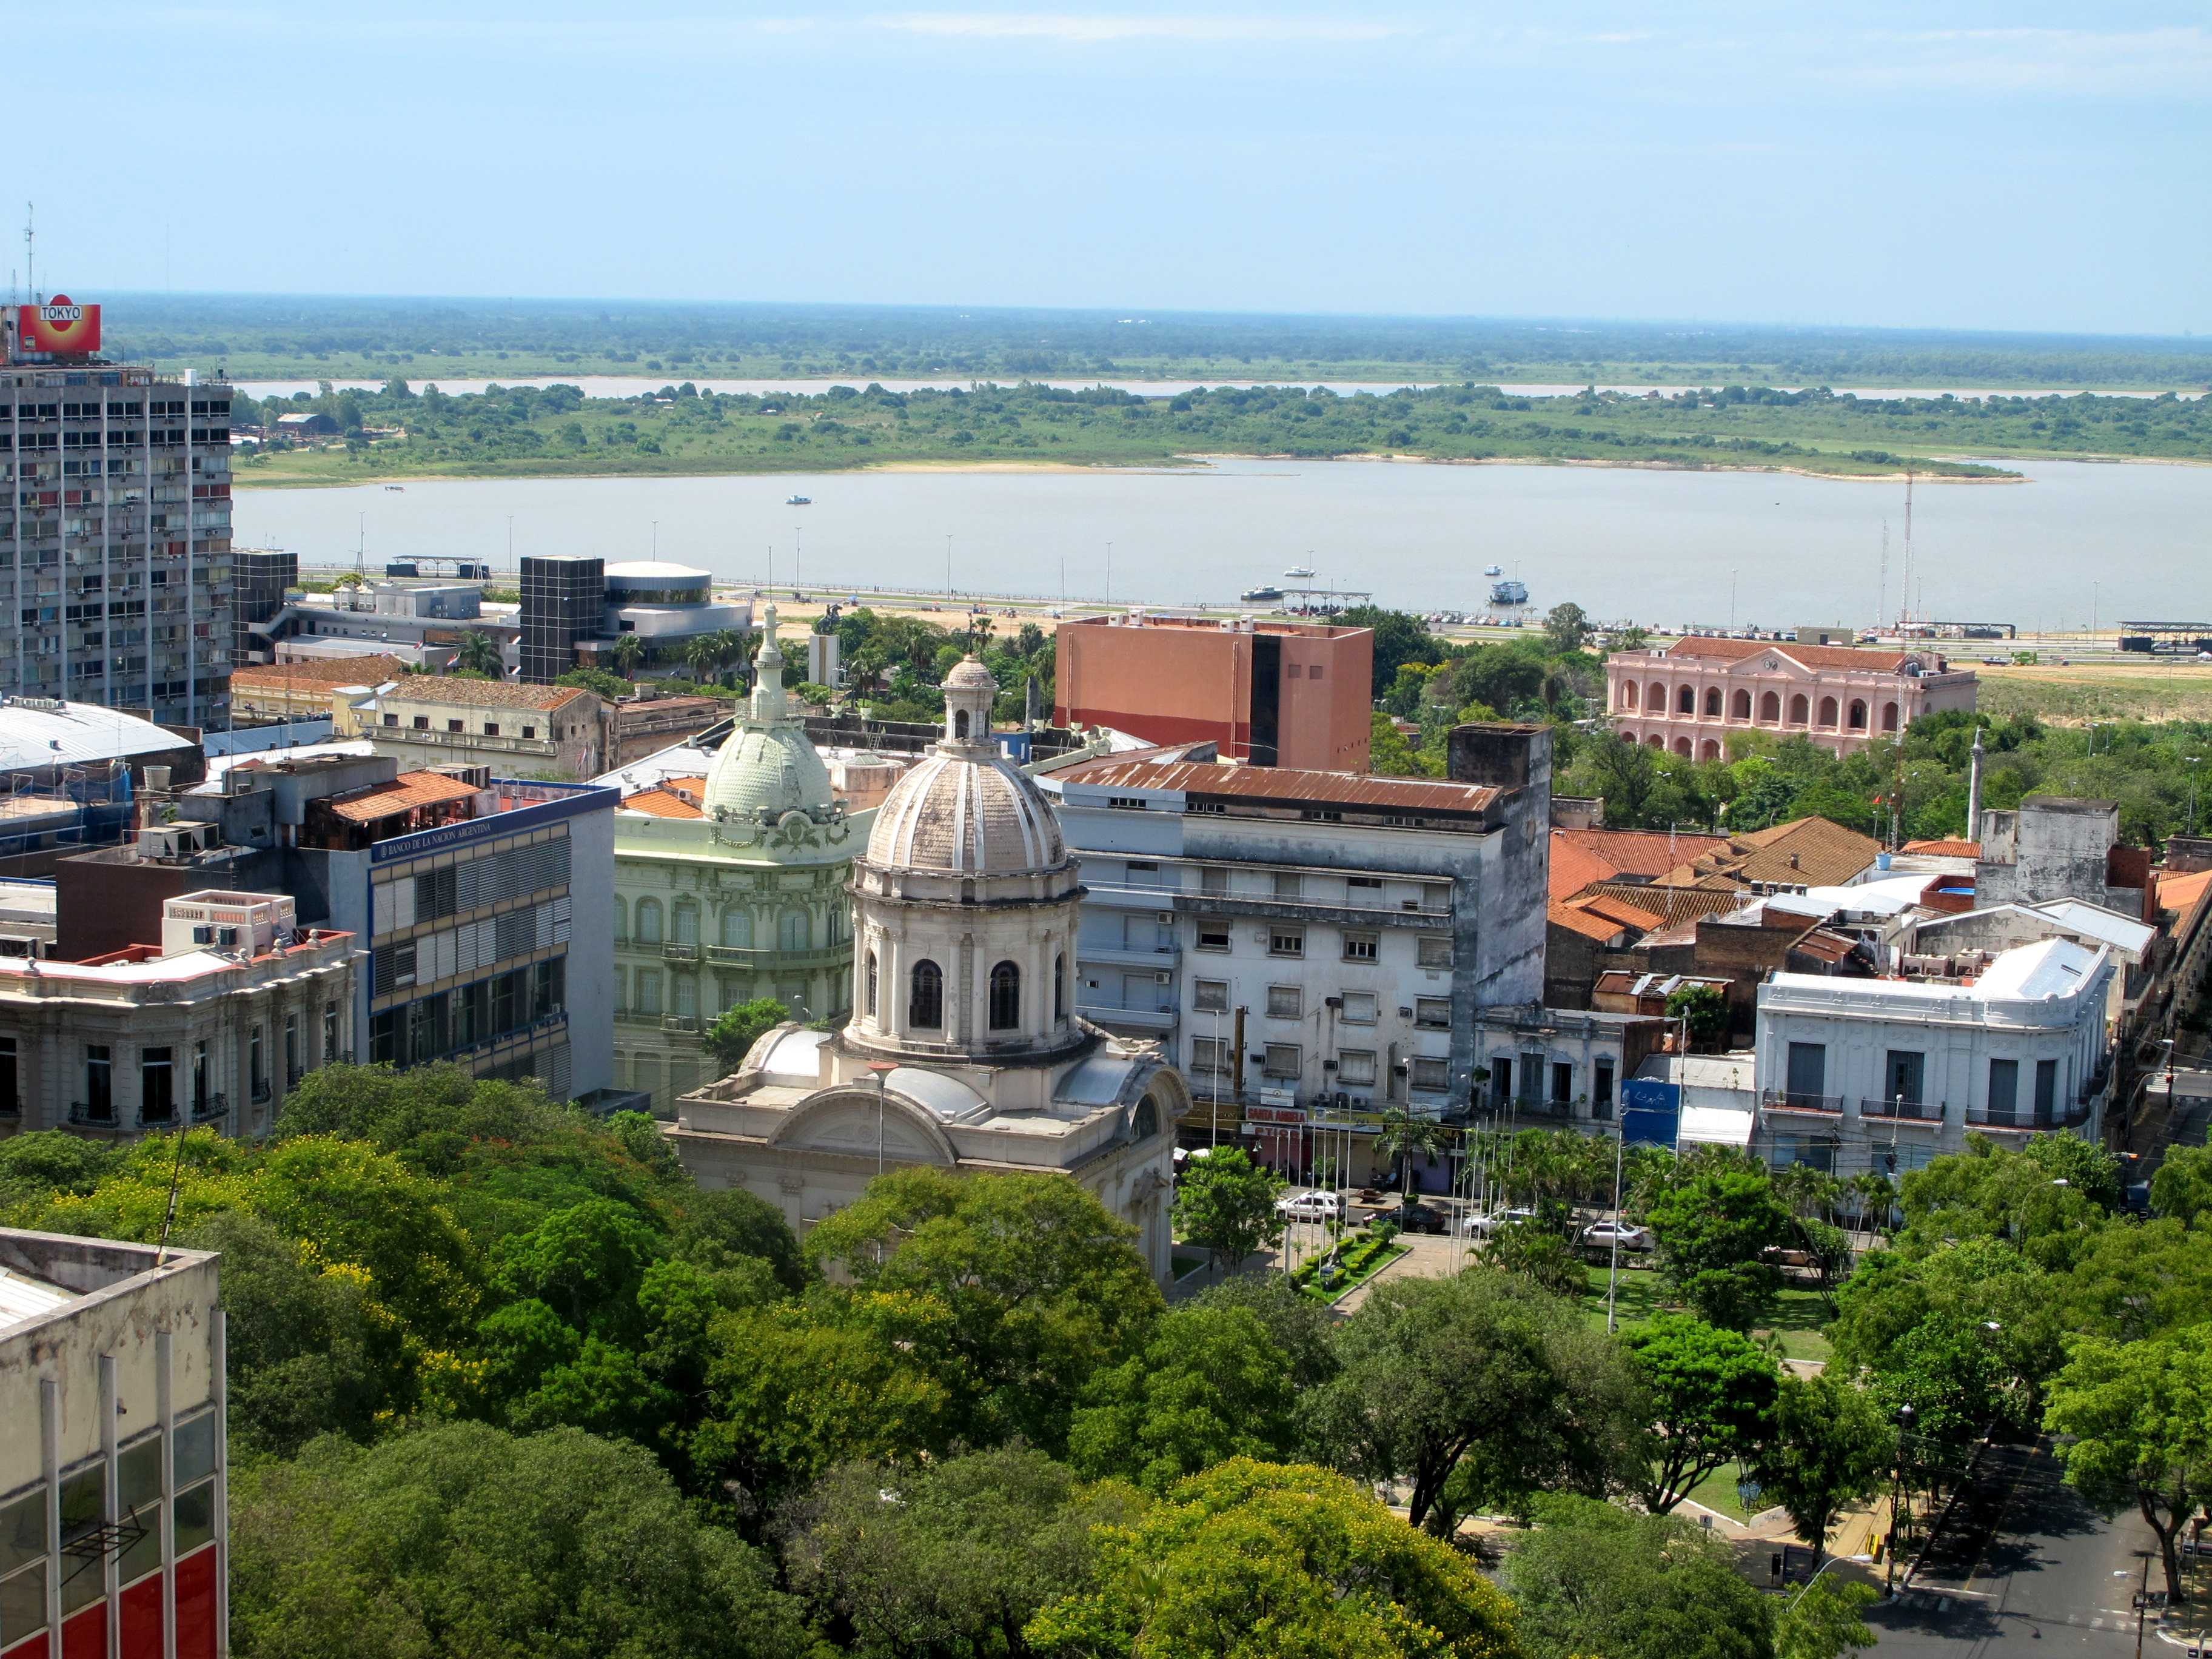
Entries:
{"x":1613,"y":1273}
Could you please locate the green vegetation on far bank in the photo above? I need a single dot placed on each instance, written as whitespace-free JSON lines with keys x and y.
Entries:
{"x":294,"y":337}
{"x":524,"y":431}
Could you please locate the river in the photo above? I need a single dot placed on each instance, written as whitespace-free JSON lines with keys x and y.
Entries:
{"x":1659,"y":548}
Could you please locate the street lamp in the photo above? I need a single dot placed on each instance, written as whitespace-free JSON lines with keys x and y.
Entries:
{"x":2194,"y":762}
{"x":1900,"y":1507}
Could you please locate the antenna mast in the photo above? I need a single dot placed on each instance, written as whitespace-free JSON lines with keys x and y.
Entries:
{"x":30,"y":251}
{"x":1881,"y":581}
{"x":1907,"y":614}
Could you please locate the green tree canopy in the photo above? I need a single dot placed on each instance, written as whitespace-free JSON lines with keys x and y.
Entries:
{"x":2141,"y":1416}
{"x":2182,"y":1188}
{"x":730,"y":1037}
{"x":1210,"y":1384}
{"x":1273,"y":1561}
{"x":1710,"y":1229}
{"x":1595,"y":1579}
{"x":1826,"y":1446}
{"x":1712,"y":1395}
{"x":1227,"y":1203}
{"x":463,"y":1539}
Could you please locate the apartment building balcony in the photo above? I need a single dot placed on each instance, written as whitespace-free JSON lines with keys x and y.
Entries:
{"x":1900,"y":1111}
{"x":1791,"y":1100}
{"x":1108,"y":956}
{"x":1128,"y":1020}
{"x":540,"y":747}
{"x":760,"y":960}
{"x":1427,"y":918}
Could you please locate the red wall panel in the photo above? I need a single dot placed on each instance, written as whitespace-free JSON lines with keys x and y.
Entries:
{"x":195,"y":1604}
{"x":142,"y":1619}
{"x":84,"y":1634}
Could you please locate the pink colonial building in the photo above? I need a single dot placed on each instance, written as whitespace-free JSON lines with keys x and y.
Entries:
{"x":1693,"y":696}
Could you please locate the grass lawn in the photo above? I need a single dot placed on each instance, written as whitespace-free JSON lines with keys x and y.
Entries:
{"x":1799,"y":1312}
{"x":1717,"y":1491}
{"x":1183,"y":1265}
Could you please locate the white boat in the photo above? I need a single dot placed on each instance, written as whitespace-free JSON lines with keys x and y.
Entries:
{"x":799,"y":500}
{"x":1493,"y":570}
{"x":1508,"y":592}
{"x":1299,"y":572}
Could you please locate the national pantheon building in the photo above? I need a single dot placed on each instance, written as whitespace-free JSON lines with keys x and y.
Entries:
{"x":963,"y":1049}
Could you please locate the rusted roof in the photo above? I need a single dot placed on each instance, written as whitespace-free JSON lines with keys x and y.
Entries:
{"x":2181,"y":894}
{"x":484,"y":693}
{"x":1823,"y":945}
{"x":1603,"y":903}
{"x":1673,"y":904}
{"x":1582,"y":857}
{"x":403,"y":794}
{"x":1811,"y":656}
{"x":1289,"y":787}
{"x":317,"y":671}
{"x":1577,"y":919}
{"x":674,"y":798}
{"x":1949,"y":847}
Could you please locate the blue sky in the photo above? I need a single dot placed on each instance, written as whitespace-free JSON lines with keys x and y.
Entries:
{"x":2017,"y":165}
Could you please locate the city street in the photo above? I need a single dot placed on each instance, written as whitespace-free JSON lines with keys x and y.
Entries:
{"x":2052,"y":1578}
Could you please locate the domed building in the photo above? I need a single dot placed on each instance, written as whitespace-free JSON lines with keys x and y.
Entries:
{"x":963,"y":1049}
{"x":730,"y":886}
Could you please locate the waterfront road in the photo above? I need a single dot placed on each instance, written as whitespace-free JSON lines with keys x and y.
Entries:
{"x":2027,"y":1569}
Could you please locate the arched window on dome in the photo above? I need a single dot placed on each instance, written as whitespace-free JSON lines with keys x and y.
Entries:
{"x":737,"y":929}
{"x":684,"y":922}
{"x":1145,"y":1121}
{"x":792,"y":932}
{"x":868,"y":1004}
{"x":959,"y":722}
{"x":924,"y":1003}
{"x":1059,"y":988}
{"x":1006,"y":997}
{"x":648,"y":921}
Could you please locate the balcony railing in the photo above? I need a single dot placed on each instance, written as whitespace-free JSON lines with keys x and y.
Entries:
{"x":675,"y":952}
{"x":2023,"y":1118}
{"x":260,"y":1091}
{"x":1791,"y":1100}
{"x":81,"y":1116}
{"x":210,"y":1107}
{"x":1910,"y":1111}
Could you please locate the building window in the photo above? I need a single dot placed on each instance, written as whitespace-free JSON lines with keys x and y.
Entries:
{"x":684,"y":922}
{"x":330,"y":1032}
{"x":1213,"y":879}
{"x":1288,"y":886}
{"x":1432,"y":1013}
{"x":649,"y":991}
{"x":1209,"y":1054}
{"x":1213,"y":938}
{"x":391,"y":720}
{"x":157,"y":1100}
{"x":1006,"y":997}
{"x":1281,"y":1061}
{"x":422,"y":722}
{"x":2046,"y":1090}
{"x":1563,"y":1083}
{"x":1601,"y":1085}
{"x":291,"y":1049}
{"x":1285,"y":1002}
{"x":98,"y":1083}
{"x":383,"y":1038}
{"x":530,"y":732}
{"x":868,"y":988}
{"x":1355,"y":1067}
{"x":924,"y":1005}
{"x":793,"y":932}
{"x":1361,"y":887}
{"x":648,"y":921}
{"x":622,"y":920}
{"x":687,"y":997}
{"x":1436,"y":950}
{"x":1428,"y":1072}
{"x":1059,"y":987}
{"x":737,"y":928}
{"x":11,"y":1097}
{"x":550,"y":988}
{"x":1211,"y":996}
{"x":453,"y":726}
{"x":1286,"y":942}
{"x":491,"y":728}
{"x":1359,"y":1007}
{"x":2004,"y":1090}
{"x":1361,"y":947}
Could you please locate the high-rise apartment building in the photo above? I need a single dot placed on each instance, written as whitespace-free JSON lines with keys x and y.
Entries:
{"x":115,"y":581}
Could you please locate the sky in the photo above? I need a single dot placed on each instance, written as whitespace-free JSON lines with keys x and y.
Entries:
{"x":2019,"y":166}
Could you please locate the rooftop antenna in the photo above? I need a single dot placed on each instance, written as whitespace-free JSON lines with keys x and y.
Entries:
{"x":1907,"y":614}
{"x":1881,"y":582}
{"x":30,"y":251}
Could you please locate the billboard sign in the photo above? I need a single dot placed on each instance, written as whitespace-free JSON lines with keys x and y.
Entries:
{"x":1650,"y":1112}
{"x":61,"y":326}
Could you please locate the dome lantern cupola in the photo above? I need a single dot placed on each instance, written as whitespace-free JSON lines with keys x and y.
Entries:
{"x":970,"y":691}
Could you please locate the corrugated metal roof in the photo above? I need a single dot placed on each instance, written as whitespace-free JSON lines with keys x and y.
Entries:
{"x":34,"y":734}
{"x":23,"y":1298}
{"x":1275,"y":783}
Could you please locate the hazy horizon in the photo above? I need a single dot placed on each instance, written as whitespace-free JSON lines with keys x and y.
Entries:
{"x":2017,"y":168}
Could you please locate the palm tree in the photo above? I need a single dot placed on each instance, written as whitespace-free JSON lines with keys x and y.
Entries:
{"x":1404,"y":1133}
{"x":629,"y":653}
{"x":479,"y":655}
{"x":702,"y":656}
{"x":729,"y":646}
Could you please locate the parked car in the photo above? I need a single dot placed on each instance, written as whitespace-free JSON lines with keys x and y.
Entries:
{"x":1604,"y":1234}
{"x":1418,"y":1218}
{"x":1311,"y":1206}
{"x":1484,"y":1224}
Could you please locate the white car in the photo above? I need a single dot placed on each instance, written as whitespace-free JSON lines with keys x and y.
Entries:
{"x":1485,"y":1224}
{"x":1626,"y":1234}
{"x":1311,"y":1206}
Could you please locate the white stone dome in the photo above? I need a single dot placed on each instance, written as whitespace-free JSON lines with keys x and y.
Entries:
{"x":762,"y":773}
{"x":968,"y":815}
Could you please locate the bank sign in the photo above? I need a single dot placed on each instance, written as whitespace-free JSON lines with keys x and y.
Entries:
{"x":61,"y":326}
